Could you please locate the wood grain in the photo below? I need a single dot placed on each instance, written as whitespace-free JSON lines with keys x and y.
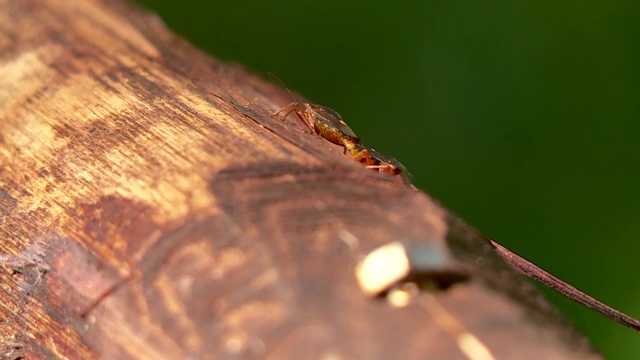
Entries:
{"x":152,"y":207}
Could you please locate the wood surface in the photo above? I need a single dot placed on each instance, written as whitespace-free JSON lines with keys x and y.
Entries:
{"x":151,"y":207}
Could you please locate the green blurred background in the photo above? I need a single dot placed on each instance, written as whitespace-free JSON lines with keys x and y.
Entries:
{"x":522,"y":117}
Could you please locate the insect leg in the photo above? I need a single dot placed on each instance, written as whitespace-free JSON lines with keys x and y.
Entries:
{"x":289,"y":108}
{"x":362,"y":155}
{"x":297,"y":108}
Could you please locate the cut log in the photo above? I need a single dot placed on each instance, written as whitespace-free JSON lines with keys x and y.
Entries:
{"x":153,"y":207}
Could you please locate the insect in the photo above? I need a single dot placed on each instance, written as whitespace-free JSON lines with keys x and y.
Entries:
{"x":328,"y":124}
{"x":388,"y":165}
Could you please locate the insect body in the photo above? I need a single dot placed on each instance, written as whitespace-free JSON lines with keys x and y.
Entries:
{"x":327,"y":123}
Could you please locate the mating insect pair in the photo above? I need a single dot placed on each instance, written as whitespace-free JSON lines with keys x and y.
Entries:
{"x":327,"y":123}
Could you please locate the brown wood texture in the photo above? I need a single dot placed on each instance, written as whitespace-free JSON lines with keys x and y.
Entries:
{"x":152,"y":207}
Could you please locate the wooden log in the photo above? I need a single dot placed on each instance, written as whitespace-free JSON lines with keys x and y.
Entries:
{"x":152,"y":207}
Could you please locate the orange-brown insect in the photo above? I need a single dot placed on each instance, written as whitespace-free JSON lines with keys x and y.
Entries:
{"x":327,"y":123}
{"x":388,"y":165}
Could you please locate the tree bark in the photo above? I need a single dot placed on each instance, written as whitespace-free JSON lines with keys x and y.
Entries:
{"x":152,"y":207}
